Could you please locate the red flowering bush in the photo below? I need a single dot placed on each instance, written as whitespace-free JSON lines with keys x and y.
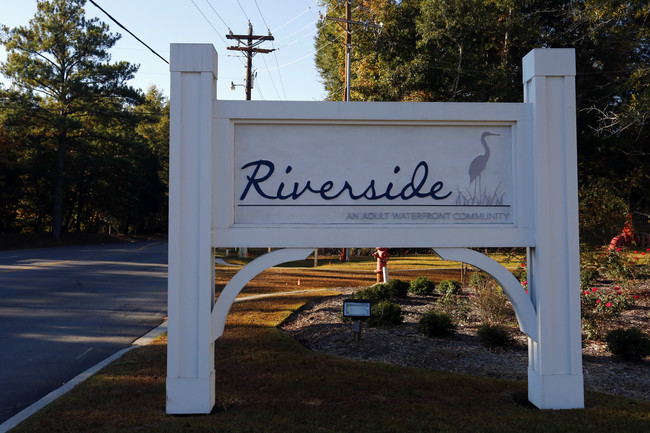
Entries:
{"x":618,"y":265}
{"x":600,"y":306}
{"x":521,"y":273}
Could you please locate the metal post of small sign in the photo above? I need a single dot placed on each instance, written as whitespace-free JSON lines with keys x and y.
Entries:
{"x":356,"y":309}
{"x":356,"y":329}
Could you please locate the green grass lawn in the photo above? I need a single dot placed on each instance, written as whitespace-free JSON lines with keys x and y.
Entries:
{"x":368,"y":263}
{"x":267,"y":382}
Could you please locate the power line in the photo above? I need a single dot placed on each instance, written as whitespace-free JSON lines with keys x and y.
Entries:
{"x":305,"y":56}
{"x":209,"y":23}
{"x":301,"y":29}
{"x":280,"y":75}
{"x":129,"y":31}
{"x":242,"y":9}
{"x":213,"y":27}
{"x":260,"y":92}
{"x":275,"y":56}
{"x":296,"y":40}
{"x":271,"y":78}
{"x":216,"y":13}
{"x":292,"y":19}
{"x":262,"y":15}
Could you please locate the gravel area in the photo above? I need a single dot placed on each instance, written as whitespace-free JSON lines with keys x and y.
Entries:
{"x":318,"y":327}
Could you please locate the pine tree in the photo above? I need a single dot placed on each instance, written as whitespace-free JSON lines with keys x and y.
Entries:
{"x":61,"y":60}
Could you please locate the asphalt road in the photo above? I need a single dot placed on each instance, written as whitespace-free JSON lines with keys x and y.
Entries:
{"x":63,"y":310}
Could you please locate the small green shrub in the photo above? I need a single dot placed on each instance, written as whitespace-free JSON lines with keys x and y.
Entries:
{"x":385,"y":313}
{"x":422,"y":286}
{"x":449,"y":286}
{"x":588,"y":277}
{"x":436,"y":324}
{"x":629,"y":344}
{"x":493,"y":336}
{"x":397,"y":289}
{"x":449,"y":289}
{"x":394,"y":289}
{"x":376,"y":293}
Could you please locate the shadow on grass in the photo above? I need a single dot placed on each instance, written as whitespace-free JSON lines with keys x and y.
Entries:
{"x":267,"y":382}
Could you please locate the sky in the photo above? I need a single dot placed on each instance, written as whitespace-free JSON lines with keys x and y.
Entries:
{"x":287,"y":74}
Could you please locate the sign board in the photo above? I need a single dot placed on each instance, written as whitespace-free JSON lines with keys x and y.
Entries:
{"x":373,"y":174}
{"x":304,"y":175}
{"x":355,"y":179}
{"x":356,"y":308}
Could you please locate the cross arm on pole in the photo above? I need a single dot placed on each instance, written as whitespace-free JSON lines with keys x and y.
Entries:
{"x":252,"y":50}
{"x":254,"y":37}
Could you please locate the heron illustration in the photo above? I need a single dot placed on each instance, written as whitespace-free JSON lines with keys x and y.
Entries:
{"x":478,"y":164}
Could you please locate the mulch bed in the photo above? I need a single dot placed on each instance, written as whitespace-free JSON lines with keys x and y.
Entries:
{"x":318,"y":327}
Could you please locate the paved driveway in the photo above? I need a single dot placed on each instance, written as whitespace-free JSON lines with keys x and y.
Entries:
{"x":62,"y":310}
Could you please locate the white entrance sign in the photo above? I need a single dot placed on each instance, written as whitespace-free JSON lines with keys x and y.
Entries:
{"x":302,"y":175}
{"x":373,"y":174}
{"x":333,"y":174}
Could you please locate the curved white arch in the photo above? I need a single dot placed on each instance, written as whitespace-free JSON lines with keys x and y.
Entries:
{"x":522,"y":304}
{"x":241,"y":278}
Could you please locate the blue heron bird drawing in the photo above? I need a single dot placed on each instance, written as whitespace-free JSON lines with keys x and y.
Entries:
{"x":479,"y":163}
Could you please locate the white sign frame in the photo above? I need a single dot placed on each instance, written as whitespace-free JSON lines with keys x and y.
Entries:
{"x":205,"y":189}
{"x":517,"y":118}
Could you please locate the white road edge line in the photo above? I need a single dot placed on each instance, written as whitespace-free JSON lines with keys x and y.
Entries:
{"x":142,"y":341}
{"x":84,"y":354}
{"x":40,"y":404}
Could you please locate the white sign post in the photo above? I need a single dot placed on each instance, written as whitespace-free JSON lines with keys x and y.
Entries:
{"x":302,"y":175}
{"x":555,"y":359}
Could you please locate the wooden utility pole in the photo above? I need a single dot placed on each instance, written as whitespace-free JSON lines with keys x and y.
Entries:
{"x":346,"y":24}
{"x":252,"y":41}
{"x":348,"y":50}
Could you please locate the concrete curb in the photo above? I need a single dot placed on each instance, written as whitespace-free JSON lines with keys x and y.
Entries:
{"x":146,"y":339}
{"x":40,"y":404}
{"x":140,"y":342}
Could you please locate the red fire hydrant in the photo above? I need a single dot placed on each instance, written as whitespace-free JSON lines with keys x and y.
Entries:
{"x":382,"y":256}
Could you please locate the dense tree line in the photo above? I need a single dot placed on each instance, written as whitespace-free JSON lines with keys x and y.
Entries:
{"x":471,"y":50}
{"x":80,"y":149}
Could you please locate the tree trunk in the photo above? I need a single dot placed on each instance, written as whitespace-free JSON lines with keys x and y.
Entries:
{"x":80,"y":201}
{"x":454,"y":89}
{"x":57,"y":217}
